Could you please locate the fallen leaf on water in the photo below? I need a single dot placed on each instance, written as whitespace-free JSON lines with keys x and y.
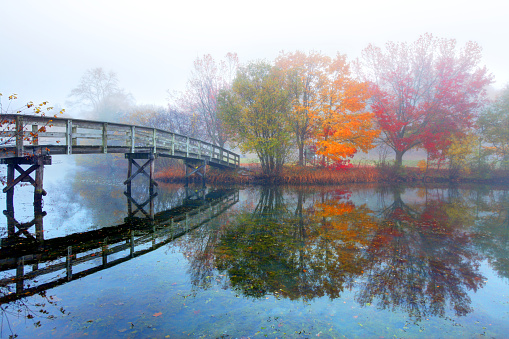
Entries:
{"x":157,"y":314}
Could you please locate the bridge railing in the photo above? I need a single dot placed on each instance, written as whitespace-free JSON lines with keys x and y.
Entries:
{"x":23,"y":135}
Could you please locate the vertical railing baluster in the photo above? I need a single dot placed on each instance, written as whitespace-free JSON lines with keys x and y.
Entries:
{"x":105,"y":252}
{"x":131,"y":251}
{"x":154,"y":140}
{"x":105,"y":137}
{"x":35,"y":135}
{"x":19,"y":136}
{"x":133,"y":139}
{"x":68,"y":136}
{"x":20,"y":273}
{"x":173,"y":144}
{"x":69,"y":263}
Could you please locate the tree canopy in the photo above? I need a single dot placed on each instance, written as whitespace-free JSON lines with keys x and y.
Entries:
{"x":255,"y":113}
{"x":494,"y":124}
{"x":207,"y":79}
{"x":99,"y":93}
{"x":424,"y":92}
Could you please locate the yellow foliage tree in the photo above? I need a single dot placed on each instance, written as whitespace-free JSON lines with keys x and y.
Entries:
{"x":311,"y":69}
{"x":460,"y":153}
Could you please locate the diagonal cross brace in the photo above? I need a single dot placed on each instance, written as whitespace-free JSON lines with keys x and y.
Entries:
{"x":141,"y":169}
{"x":22,"y":227}
{"x":23,"y":177}
{"x":196,"y":169}
{"x":140,"y":207}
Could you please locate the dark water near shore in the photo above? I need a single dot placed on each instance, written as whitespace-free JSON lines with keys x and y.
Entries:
{"x":349,"y":261}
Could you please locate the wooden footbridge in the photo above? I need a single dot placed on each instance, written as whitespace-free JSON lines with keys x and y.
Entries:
{"x":35,"y":265}
{"x":27,"y":135}
{"x":32,"y":140}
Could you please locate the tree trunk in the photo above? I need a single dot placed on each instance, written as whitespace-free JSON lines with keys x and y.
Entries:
{"x":399,"y":158}
{"x":301,"y":155}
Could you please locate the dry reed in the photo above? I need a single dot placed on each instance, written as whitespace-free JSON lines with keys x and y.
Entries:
{"x":303,"y":175}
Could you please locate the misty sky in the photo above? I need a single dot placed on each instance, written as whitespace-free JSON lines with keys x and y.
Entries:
{"x":47,"y":45}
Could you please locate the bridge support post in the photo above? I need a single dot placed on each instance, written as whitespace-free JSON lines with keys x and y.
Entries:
{"x":37,"y":163}
{"x":140,"y":169}
{"x":195,"y":167}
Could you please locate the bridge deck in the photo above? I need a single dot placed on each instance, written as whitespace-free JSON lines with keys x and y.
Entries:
{"x":25,"y":135}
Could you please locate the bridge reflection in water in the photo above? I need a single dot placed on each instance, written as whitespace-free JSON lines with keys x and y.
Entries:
{"x":31,"y":264}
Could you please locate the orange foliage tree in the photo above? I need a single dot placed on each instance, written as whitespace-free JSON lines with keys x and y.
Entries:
{"x":341,"y":124}
{"x":329,"y":111}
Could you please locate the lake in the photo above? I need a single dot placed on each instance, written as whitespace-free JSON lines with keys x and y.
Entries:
{"x":368,"y":261}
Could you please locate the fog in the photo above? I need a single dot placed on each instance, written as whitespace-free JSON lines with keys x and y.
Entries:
{"x":46,"y":46}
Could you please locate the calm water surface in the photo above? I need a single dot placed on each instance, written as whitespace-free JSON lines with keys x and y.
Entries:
{"x":350,"y":261}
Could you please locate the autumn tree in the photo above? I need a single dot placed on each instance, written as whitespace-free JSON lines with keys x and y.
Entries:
{"x":424,"y":91}
{"x":461,"y":153}
{"x":255,"y":112}
{"x":100,"y":95}
{"x":329,"y":106}
{"x":494,"y":126}
{"x":207,"y":79}
{"x":311,"y":69}
{"x":341,"y":125}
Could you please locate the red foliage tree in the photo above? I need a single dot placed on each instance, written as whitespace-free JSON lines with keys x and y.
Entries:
{"x":424,"y":92}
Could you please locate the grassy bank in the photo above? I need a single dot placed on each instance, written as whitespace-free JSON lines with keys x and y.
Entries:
{"x":297,"y":175}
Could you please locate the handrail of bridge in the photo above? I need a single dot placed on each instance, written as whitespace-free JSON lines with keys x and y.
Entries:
{"x":26,"y":135}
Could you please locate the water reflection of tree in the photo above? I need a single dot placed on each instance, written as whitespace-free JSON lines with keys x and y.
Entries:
{"x":302,"y":254}
{"x":421,"y":259}
{"x":418,"y":255}
{"x":199,"y":248}
{"x":492,"y":236}
{"x":258,"y":251}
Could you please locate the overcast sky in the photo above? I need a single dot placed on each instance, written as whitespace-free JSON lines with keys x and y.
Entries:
{"x":47,"y":45}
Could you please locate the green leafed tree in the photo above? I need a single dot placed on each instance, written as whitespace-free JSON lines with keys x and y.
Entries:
{"x":494,"y":126}
{"x":255,"y":113}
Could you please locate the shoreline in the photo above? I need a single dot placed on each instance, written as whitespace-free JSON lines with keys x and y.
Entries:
{"x":305,"y":176}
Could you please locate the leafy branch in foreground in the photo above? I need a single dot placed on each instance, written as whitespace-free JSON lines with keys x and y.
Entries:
{"x":12,"y":127}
